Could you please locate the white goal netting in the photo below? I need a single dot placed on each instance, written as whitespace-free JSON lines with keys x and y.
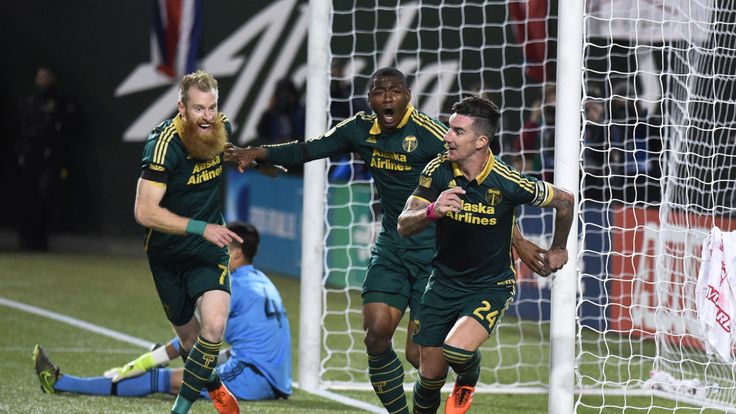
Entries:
{"x":449,"y":50}
{"x":657,"y":172}
{"x":657,"y":168}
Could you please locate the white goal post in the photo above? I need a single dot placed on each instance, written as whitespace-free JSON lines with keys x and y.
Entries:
{"x":640,"y":95}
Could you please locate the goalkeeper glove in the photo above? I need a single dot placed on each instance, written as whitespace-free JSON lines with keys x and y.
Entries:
{"x":139,"y":365}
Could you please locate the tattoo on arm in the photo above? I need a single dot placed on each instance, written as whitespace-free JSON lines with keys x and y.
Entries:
{"x":564,"y":203}
{"x":413,"y":219}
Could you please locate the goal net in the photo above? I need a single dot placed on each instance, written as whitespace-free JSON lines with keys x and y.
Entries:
{"x":656,"y":173}
{"x":448,"y":50}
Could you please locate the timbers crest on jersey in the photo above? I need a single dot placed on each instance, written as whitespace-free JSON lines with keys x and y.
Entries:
{"x":410,"y":143}
{"x":493,"y":196}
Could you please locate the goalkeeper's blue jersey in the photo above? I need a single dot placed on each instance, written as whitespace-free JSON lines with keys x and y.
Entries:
{"x":257,"y":327}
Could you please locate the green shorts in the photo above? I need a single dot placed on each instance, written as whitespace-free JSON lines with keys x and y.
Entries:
{"x":181,"y":281}
{"x":442,"y":306}
{"x":397,"y":277}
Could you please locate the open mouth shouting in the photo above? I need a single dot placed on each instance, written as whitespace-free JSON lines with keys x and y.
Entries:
{"x":388,"y":117}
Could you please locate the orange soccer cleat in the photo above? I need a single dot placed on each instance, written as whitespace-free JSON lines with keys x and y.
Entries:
{"x":224,"y":401}
{"x":459,"y":401}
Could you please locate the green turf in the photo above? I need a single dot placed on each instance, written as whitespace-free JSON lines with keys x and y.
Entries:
{"x":118,"y":293}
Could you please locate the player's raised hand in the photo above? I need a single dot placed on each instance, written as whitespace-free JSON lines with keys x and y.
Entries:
{"x":220,"y":235}
{"x":449,"y":200}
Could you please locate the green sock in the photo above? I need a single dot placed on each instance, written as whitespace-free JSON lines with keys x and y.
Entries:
{"x":387,"y":377}
{"x":198,"y":368}
{"x":181,"y":405}
{"x":213,"y":382}
{"x":427,"y":396}
{"x":466,"y":364}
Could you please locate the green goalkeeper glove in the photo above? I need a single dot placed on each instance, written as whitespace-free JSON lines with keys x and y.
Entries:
{"x":156,"y":357}
{"x":132,"y":369}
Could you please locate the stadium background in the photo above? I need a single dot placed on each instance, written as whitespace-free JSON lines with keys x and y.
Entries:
{"x":94,"y":47}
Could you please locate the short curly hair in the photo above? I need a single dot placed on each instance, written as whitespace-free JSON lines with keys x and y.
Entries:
{"x":200,"y":80}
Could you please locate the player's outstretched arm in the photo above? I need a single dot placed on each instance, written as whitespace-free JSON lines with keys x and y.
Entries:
{"x":563,"y":202}
{"x":252,"y":157}
{"x":149,"y":213}
{"x":529,"y":253}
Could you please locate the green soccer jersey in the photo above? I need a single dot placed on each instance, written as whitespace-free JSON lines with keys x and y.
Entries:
{"x":395,"y":160}
{"x":474,"y":245}
{"x":192,"y":186}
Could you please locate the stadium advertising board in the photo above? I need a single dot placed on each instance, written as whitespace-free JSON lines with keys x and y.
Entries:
{"x":655,"y":267}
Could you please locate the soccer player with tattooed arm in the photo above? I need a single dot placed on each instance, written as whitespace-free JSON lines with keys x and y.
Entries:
{"x":471,"y":197}
{"x":396,"y":142}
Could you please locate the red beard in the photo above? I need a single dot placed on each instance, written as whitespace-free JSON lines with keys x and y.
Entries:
{"x":204,"y":145}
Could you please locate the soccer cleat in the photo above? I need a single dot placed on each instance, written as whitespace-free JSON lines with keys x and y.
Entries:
{"x":224,"y":401}
{"x":460,"y":399}
{"x":47,"y":372}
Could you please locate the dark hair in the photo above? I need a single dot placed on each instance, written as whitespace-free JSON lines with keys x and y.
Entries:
{"x":392,"y":72}
{"x":250,"y":237}
{"x":485,"y":114}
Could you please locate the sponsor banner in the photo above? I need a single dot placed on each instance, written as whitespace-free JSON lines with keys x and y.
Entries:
{"x":654,"y":273}
{"x":275,"y":210}
{"x":649,"y":21}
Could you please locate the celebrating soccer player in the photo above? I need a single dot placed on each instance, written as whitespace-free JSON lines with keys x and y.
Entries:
{"x":471,"y":196}
{"x":396,"y":142}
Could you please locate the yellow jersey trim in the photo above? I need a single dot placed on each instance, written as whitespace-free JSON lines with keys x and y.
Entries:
{"x":432,"y":165}
{"x":425,"y":122}
{"x":487,"y":168}
{"x":515,"y":176}
{"x":159,"y":153}
{"x":178,"y":124}
{"x":376,"y":128}
{"x":420,"y":198}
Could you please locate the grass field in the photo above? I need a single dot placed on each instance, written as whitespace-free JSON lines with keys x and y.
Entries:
{"x":118,"y":293}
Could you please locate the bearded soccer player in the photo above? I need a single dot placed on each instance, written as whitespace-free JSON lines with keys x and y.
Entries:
{"x":396,"y":142}
{"x":178,"y":201}
{"x":471,"y":196}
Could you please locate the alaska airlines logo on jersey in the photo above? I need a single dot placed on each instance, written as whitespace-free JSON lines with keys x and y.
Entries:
{"x":371,"y":139}
{"x":203,"y":171}
{"x":493,"y":196}
{"x":410,"y":143}
{"x":389,"y":160}
{"x":472,"y":212}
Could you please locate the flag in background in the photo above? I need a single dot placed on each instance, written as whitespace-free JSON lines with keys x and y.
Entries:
{"x":532,"y":31}
{"x":177,"y":27}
